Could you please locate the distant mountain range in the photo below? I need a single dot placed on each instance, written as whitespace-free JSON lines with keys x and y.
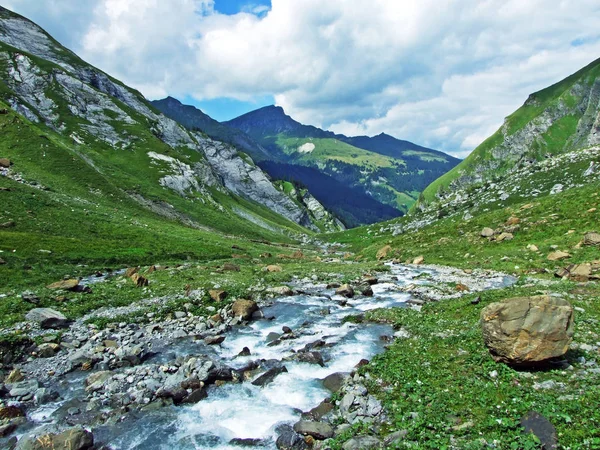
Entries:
{"x":360,"y":179}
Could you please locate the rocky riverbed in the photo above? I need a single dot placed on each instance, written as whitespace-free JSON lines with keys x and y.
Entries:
{"x":259,"y":375}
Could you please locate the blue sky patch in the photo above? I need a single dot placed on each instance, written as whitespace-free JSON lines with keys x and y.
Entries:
{"x":224,"y":108}
{"x":230,"y":7}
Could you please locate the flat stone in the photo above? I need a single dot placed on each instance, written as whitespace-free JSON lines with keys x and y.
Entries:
{"x":334,"y":382}
{"x":541,"y":427}
{"x":67,"y":285}
{"x":269,"y":376}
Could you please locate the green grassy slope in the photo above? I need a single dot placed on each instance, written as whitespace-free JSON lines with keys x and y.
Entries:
{"x":566,"y":102}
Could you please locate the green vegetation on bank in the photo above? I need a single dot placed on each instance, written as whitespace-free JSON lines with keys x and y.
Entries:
{"x":442,"y":387}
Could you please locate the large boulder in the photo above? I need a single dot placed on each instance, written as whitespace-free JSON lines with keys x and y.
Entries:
{"x":67,"y":285}
{"x":345,"y":290}
{"x":527,"y":330}
{"x":72,"y":439}
{"x":244,"y":308}
{"x":47,"y":318}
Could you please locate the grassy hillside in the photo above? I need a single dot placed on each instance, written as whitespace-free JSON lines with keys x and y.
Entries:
{"x":552,"y":121}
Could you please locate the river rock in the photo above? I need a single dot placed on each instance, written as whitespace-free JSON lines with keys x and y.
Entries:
{"x":370,"y":280}
{"x":526,"y":330}
{"x":317,"y":413}
{"x":288,"y":439}
{"x":345,"y":290}
{"x":66,"y":285}
{"x":72,"y":439}
{"x":591,"y":239}
{"x":14,"y":377}
{"x":47,"y":318}
{"x":361,"y":443}
{"x":281,"y":290}
{"x":334,"y":382}
{"x":96,"y":380}
{"x":541,"y":427}
{"x":269,"y":376}
{"x":214,"y":340}
{"x":244,"y":308}
{"x":311,"y":358}
{"x":487,"y":232}
{"x":318,"y":430}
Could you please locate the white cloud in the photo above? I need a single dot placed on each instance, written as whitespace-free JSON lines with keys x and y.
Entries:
{"x":442,"y":74}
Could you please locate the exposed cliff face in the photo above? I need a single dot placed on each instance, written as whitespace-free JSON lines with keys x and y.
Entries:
{"x":554,"y":121}
{"x":50,"y":85}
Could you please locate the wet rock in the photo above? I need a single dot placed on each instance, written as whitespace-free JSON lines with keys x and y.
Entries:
{"x":288,"y":439}
{"x":318,"y":430}
{"x":30,"y":297}
{"x":334,"y":382}
{"x":317,"y":413}
{"x":383,"y":252}
{"x":272,"y":337}
{"x":47,"y":318}
{"x":7,"y":429}
{"x":333,"y":285}
{"x":557,"y":256}
{"x":217,"y":295}
{"x":239,"y":442}
{"x":487,"y":232}
{"x":72,"y":439}
{"x":47,"y":350}
{"x":14,"y":377}
{"x":541,"y":427}
{"x":66,"y":285}
{"x":214,"y":340}
{"x":310,"y":358}
{"x":196,"y":395}
{"x":591,"y":239}
{"x":366,"y":290}
{"x":286,"y":330}
{"x":269,"y":376}
{"x":244,"y":308}
{"x":245,"y":352}
{"x":345,"y":290}
{"x":362,"y":443}
{"x":527,"y":330}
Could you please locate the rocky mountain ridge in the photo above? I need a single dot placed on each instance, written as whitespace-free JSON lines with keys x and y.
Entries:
{"x":51,"y":86}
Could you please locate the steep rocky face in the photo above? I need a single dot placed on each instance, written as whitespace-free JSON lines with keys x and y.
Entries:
{"x":50,"y":85}
{"x":562,"y":118}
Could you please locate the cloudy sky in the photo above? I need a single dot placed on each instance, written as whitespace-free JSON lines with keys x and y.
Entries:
{"x":440,"y":73}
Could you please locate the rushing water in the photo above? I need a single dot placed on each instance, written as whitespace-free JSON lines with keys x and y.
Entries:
{"x":245,"y":411}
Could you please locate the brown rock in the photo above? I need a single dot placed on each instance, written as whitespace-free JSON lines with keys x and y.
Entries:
{"x":14,"y":376}
{"x":139,"y":280}
{"x":526,"y":330}
{"x":11,"y":412}
{"x":273,"y":268}
{"x":72,"y":439}
{"x":130,"y":271}
{"x":512,"y":221}
{"x":557,"y":256}
{"x":418,"y":260}
{"x":462,"y":287}
{"x":505,"y":237}
{"x":217,"y":295}
{"x":383,"y":252}
{"x":5,"y":162}
{"x":229,"y":267}
{"x":244,"y":308}
{"x":297,"y":255}
{"x":67,"y":285}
